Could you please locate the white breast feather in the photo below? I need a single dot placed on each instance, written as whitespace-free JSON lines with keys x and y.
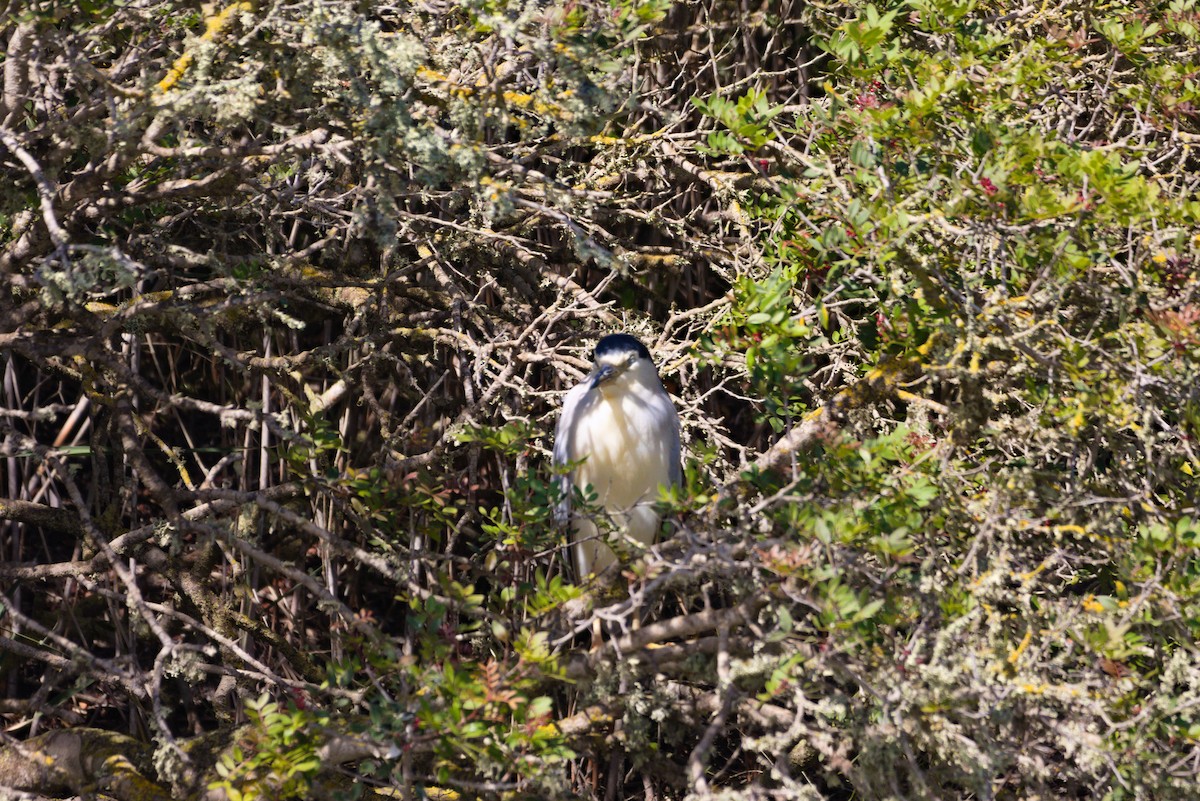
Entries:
{"x":612,"y":443}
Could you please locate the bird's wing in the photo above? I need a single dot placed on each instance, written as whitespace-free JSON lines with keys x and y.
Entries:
{"x":675,"y":451}
{"x":564,"y":447}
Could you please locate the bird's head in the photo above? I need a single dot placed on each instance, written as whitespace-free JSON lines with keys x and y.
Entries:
{"x":617,"y":356}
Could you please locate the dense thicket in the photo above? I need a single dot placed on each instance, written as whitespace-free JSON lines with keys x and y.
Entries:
{"x":292,"y":289}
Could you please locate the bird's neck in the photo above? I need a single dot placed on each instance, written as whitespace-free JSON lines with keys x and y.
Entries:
{"x":640,"y":376}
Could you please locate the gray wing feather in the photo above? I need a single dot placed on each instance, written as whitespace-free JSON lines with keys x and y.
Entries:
{"x":564,"y":447}
{"x":675,"y":452}
{"x":675,"y":456}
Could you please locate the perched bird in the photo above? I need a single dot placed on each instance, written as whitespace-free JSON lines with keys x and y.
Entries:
{"x":623,"y":430}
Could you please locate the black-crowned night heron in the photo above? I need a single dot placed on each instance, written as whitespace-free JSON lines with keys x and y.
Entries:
{"x":621,"y":428}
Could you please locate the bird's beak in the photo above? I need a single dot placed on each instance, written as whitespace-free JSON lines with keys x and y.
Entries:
{"x":603,"y":374}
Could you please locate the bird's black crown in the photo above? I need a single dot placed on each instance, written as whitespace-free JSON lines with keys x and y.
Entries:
{"x":619,"y":343}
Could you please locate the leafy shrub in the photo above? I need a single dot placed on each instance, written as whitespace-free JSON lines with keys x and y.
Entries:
{"x":294,"y":290}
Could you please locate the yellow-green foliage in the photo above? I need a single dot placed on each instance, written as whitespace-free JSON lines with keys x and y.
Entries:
{"x":1013,"y":192}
